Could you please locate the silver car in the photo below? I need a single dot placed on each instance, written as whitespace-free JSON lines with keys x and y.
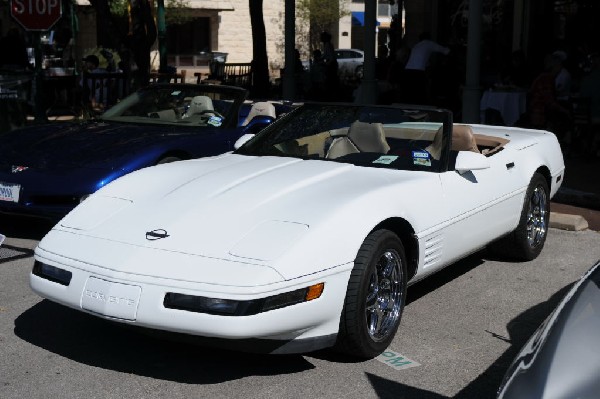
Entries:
{"x":350,"y":62}
{"x":562,"y":358}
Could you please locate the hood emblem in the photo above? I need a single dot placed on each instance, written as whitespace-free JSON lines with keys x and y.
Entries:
{"x":156,"y":234}
{"x":17,"y":169}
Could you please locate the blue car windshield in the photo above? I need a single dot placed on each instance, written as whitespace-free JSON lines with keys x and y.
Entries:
{"x":372,"y":136}
{"x":180,"y":105}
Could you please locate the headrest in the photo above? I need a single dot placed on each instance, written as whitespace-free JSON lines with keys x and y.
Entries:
{"x":262,"y":108}
{"x":463,"y":139}
{"x":200,"y":103}
{"x":368,"y":137}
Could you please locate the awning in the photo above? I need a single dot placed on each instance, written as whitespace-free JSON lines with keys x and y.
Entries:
{"x":358,"y":19}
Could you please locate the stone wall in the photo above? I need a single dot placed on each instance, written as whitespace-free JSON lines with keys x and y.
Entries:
{"x":235,"y":34}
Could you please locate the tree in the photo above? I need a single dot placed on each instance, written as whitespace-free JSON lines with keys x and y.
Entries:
{"x":320,"y":15}
{"x":260,"y":62}
{"x":107,"y":33}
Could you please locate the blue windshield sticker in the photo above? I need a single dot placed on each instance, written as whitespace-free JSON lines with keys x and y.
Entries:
{"x":386,"y":159}
{"x":420,"y":154}
{"x":176,"y":93}
{"x":215,"y":121}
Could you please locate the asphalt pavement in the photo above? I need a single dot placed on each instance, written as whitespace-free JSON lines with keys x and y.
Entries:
{"x":460,"y":330}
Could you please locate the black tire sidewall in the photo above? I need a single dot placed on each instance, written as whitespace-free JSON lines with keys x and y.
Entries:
{"x":529,"y":252}
{"x":355,"y":305}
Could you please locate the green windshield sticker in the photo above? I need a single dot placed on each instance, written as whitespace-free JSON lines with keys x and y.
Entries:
{"x":422,"y":161}
{"x":386,"y":159}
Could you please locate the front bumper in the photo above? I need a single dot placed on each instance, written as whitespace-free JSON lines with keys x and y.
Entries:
{"x":139,"y":300}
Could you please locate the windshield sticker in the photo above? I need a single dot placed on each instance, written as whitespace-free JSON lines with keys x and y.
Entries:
{"x":420,"y":154}
{"x":422,"y":161}
{"x":176,"y":93}
{"x":386,"y":159}
{"x":215,"y":121}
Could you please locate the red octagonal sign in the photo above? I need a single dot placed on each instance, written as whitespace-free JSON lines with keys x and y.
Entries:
{"x":36,"y":14}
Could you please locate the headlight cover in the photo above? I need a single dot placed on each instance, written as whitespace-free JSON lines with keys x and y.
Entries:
{"x":229,"y":307}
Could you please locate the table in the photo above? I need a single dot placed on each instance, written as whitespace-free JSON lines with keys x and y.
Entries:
{"x":510,"y":103}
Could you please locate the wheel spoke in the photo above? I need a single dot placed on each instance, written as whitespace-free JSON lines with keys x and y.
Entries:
{"x":536,"y":217}
{"x":384,"y":296}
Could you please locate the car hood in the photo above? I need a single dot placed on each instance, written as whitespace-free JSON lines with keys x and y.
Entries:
{"x":240,"y":208}
{"x":87,"y":144}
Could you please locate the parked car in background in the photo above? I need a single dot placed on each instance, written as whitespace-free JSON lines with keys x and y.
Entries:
{"x":47,"y":170}
{"x":562,"y":358}
{"x":350,"y":63}
{"x":308,"y":235}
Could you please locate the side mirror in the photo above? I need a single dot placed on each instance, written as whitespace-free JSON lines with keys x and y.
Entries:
{"x":242,"y":140}
{"x":467,"y":161}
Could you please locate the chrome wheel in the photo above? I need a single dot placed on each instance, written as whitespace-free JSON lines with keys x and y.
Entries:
{"x":537,"y":217}
{"x":384,"y":296}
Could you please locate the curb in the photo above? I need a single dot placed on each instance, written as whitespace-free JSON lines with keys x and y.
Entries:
{"x":577,"y":198}
{"x":564,"y":221}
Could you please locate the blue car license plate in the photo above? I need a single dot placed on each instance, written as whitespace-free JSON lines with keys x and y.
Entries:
{"x":9,"y":192}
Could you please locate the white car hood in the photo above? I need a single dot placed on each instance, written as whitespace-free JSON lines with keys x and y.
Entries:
{"x":232,"y":207}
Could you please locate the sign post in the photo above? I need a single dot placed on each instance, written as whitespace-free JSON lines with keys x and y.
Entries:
{"x":37,"y":16}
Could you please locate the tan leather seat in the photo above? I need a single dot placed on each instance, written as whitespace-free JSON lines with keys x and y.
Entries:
{"x":362,"y":137}
{"x":462,"y":140}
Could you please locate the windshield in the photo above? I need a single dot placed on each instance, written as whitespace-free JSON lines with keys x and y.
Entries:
{"x":192,"y":105}
{"x":391,"y":137}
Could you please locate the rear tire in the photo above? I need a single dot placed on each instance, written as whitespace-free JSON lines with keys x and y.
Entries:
{"x":375,"y":297}
{"x":527,"y":240}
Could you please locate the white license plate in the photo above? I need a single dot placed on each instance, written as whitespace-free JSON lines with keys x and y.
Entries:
{"x":9,"y":192}
{"x":111,"y":299}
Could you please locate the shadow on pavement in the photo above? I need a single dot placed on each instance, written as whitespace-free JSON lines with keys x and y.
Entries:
{"x":487,"y":383}
{"x":24,"y":227}
{"x":96,"y":342}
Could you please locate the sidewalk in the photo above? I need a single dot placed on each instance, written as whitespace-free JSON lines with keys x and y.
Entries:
{"x":580,"y":192}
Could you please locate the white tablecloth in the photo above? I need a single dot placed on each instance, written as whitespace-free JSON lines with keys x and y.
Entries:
{"x":510,"y":104}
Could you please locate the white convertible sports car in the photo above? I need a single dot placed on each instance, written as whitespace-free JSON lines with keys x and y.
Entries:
{"x":307,"y":235}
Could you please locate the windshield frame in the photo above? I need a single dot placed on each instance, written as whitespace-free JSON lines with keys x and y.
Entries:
{"x":230,"y":119}
{"x":264,"y":143}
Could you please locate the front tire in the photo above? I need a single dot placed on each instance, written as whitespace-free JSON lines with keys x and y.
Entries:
{"x":375,"y":297}
{"x":527,"y":241}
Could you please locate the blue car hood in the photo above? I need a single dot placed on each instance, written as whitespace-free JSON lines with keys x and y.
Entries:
{"x":88,"y":144}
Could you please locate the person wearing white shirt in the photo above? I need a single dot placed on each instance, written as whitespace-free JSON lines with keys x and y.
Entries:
{"x":415,"y":83}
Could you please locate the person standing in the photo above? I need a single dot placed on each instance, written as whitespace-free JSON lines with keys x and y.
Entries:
{"x":330,"y":63}
{"x":415,"y":82}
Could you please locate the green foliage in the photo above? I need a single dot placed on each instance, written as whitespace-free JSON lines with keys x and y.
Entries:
{"x":321,"y":15}
{"x":176,"y":11}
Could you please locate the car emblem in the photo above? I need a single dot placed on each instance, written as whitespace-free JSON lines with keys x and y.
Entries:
{"x":156,"y":234}
{"x":16,"y":169}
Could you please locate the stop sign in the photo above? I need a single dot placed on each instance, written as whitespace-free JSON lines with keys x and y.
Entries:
{"x":36,"y":14}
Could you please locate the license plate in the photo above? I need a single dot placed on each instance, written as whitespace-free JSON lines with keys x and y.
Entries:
{"x":111,"y":299}
{"x":9,"y":192}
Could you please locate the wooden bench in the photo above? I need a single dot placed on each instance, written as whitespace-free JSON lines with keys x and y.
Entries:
{"x":232,"y":74}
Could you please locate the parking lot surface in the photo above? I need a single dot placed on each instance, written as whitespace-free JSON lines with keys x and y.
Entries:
{"x":459,"y":332}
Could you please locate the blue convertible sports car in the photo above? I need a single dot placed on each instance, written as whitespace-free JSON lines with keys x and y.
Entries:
{"x":47,"y":170}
